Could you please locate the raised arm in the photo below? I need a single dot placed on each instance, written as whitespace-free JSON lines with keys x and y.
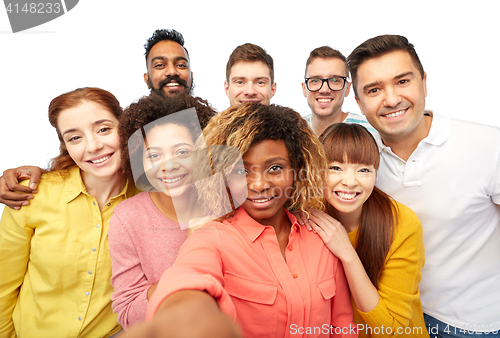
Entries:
{"x":15,"y":195}
{"x":398,"y":284}
{"x":188,"y":313}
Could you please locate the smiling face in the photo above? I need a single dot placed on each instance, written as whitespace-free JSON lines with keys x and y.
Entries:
{"x":90,"y":133}
{"x":249,"y":81}
{"x":391,"y":94}
{"x":326,"y":102}
{"x":168,"y":159}
{"x":349,"y":186}
{"x":270,"y":181}
{"x":168,"y":69}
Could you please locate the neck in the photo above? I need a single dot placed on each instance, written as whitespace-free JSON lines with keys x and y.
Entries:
{"x":320,"y":123}
{"x":404,"y":146}
{"x":103,"y":189}
{"x":181,"y":209}
{"x":350,"y":221}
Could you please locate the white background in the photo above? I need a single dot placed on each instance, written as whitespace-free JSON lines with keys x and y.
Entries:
{"x":100,"y":43}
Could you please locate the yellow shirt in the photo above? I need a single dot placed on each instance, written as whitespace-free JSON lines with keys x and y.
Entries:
{"x":55,"y":266}
{"x":399,"y":310}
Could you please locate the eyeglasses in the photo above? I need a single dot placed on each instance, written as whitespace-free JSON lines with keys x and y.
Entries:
{"x":335,"y":83}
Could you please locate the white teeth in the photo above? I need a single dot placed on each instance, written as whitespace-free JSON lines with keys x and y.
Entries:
{"x":324,"y":100}
{"x":172,"y":84}
{"x":172,"y":180}
{"x":346,"y":196}
{"x":396,"y":113}
{"x":101,"y":159}
{"x":262,"y":201}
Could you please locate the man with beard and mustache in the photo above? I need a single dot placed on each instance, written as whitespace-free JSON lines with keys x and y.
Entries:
{"x":168,"y":74}
{"x":167,"y":62}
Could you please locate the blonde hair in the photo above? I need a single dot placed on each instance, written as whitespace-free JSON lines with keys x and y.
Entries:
{"x":243,"y":126}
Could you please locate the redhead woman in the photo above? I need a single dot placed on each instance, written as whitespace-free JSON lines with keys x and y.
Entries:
{"x":54,"y":253}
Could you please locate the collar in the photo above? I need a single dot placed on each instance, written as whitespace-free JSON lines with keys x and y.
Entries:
{"x":254,"y":229}
{"x":74,"y":186}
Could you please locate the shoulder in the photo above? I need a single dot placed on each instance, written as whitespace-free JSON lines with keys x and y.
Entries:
{"x":134,"y":205}
{"x":407,"y":222}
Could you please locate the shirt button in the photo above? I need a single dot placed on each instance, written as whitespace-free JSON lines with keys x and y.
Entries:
{"x":79,"y":318}
{"x":90,"y":272}
{"x":290,"y":247}
{"x":94,"y":249}
{"x":296,"y":227}
{"x":98,"y":225}
{"x":400,"y":163}
{"x":295,"y":275}
{"x":93,"y":202}
{"x":108,"y":204}
{"x":86,"y":293}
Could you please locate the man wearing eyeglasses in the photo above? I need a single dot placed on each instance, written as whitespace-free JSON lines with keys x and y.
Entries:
{"x":325,"y":86}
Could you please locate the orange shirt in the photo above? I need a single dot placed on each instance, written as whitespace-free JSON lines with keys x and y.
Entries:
{"x":240,"y":264}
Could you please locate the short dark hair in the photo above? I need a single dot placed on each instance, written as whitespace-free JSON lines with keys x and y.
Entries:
{"x":161,"y":35}
{"x":249,"y":52}
{"x":379,"y":46}
{"x":326,"y":52}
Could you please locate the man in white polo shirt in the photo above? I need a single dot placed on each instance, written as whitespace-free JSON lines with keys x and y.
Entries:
{"x":325,"y":86}
{"x":448,"y":172}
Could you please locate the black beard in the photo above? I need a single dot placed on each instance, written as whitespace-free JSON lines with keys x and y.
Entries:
{"x":167,"y":80}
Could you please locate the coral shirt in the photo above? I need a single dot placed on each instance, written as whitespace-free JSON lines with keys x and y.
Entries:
{"x":240,"y":264}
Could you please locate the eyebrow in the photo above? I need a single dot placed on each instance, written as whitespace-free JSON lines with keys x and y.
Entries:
{"x":161,"y":57}
{"x":173,"y":146}
{"x":244,"y":77}
{"x":95,"y":123}
{"x":397,"y":77}
{"x":271,"y":160}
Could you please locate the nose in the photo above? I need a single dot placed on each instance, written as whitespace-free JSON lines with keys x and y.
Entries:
{"x":171,"y":69}
{"x":170,"y":164}
{"x":249,"y":89}
{"x":94,"y":144}
{"x":324,"y":88}
{"x":392,"y":97}
{"x":349,"y":178}
{"x":257,"y":182}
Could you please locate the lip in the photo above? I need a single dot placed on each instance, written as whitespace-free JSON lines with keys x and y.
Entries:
{"x":261,"y":202}
{"x":398,"y":112}
{"x":340,"y":195}
{"x":250,"y":101}
{"x":324,"y":103}
{"x":174,"y":181}
{"x":109,"y":157}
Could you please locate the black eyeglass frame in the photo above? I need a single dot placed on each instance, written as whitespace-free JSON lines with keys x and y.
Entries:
{"x":327,"y":83}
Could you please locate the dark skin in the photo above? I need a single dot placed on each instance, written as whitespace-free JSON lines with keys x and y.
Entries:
{"x":15,"y":195}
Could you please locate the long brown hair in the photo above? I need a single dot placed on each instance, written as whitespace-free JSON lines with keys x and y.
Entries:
{"x":353,"y":143}
{"x":70,"y":100}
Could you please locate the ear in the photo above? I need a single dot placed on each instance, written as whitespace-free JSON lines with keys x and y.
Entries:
{"x":273,"y":89}
{"x":146,"y":78}
{"x":359,"y":105}
{"x":424,"y":80}
{"x":304,"y":89}
{"x":226,"y":88}
{"x":348,"y":89}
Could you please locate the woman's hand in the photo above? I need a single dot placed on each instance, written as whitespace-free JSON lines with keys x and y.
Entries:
{"x":333,"y":234}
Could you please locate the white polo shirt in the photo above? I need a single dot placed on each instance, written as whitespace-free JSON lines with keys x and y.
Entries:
{"x":452,"y":182}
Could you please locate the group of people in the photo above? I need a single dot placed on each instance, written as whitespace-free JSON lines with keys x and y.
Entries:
{"x":170,"y":219}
